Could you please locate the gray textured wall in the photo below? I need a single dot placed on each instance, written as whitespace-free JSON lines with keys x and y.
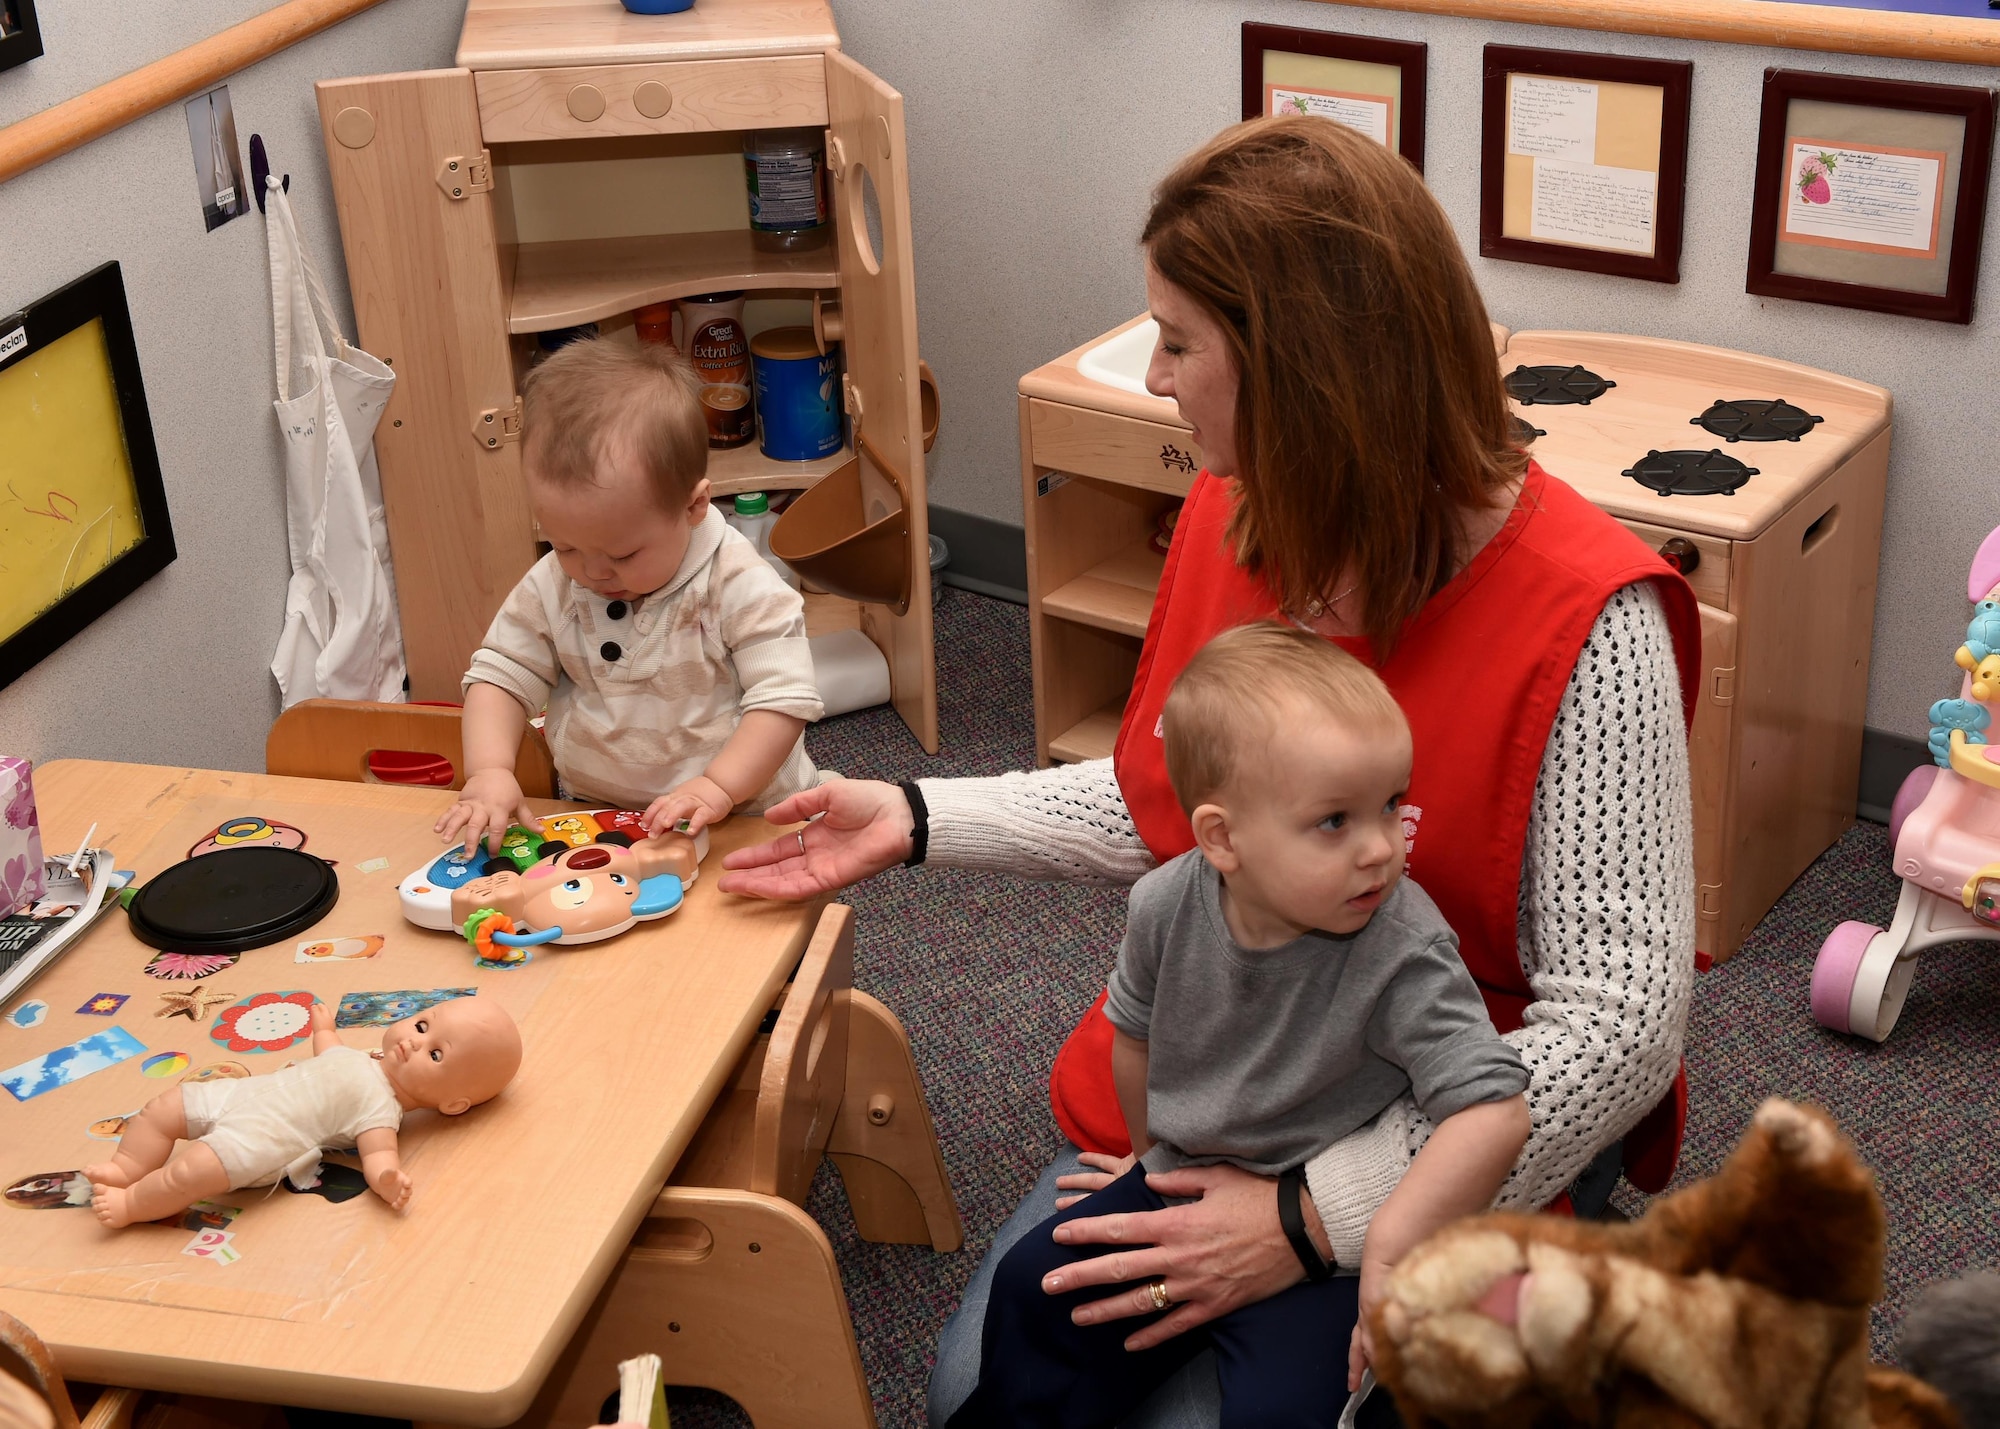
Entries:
{"x":1036,"y":129}
{"x":178,"y":673}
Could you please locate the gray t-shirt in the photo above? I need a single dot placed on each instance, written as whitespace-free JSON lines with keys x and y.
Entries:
{"x":1265,"y":1057}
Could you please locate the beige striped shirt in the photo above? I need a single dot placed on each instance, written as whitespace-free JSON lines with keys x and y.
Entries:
{"x":639,"y":703}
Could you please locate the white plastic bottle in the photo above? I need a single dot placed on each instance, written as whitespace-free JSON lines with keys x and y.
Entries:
{"x":751,"y":514}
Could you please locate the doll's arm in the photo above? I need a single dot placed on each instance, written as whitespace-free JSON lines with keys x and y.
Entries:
{"x":324,"y":1035}
{"x":382,"y":1164}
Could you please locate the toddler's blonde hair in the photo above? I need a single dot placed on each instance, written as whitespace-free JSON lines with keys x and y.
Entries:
{"x":1242,"y":685}
{"x":596,"y":397}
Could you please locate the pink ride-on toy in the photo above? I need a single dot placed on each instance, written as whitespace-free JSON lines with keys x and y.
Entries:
{"x":1945,"y":827}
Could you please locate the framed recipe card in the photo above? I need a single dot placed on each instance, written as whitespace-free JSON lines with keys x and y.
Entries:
{"x":1871,"y":193}
{"x":1583,"y":161}
{"x":1374,"y":86}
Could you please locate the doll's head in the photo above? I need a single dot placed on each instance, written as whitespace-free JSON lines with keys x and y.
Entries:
{"x":453,"y":1056}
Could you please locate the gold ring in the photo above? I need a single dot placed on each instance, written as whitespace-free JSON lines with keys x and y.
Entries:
{"x":1158,"y":1290}
{"x":802,"y":841}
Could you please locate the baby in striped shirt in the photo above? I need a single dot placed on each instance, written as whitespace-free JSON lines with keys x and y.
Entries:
{"x":670,"y":658}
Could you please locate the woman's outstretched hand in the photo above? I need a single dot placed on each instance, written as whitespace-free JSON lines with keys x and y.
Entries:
{"x":859,"y":827}
{"x":1218,"y":1254}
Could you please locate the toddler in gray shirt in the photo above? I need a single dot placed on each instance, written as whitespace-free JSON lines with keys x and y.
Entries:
{"x":1279,"y":986}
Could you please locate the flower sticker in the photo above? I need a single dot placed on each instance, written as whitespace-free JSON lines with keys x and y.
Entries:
{"x":170,"y":967}
{"x":268,"y":1022}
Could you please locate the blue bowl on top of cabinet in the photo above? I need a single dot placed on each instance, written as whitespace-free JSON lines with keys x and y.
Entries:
{"x":658,"y":7}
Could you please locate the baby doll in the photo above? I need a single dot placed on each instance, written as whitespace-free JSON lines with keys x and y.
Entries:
{"x":249,"y":1132}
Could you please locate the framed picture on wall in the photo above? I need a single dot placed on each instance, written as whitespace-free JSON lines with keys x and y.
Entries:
{"x":84,"y":522}
{"x":1871,"y":193}
{"x":1583,"y":161}
{"x":1373,"y":85}
{"x":20,"y":34}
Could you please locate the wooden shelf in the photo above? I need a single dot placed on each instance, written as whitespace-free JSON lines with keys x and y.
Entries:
{"x":1091,"y":737}
{"x":585,"y":279}
{"x":1116,"y":594}
{"x":745,"y":468}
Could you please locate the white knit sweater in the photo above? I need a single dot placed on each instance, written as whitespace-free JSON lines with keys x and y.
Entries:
{"x":1607,"y":911}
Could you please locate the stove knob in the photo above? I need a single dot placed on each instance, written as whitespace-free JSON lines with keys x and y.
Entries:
{"x":1680,"y":553}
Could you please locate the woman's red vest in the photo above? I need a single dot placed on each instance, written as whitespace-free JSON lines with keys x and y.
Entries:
{"x":1480,"y":672}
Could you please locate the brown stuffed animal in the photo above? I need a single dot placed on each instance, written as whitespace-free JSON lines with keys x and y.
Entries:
{"x":1740,"y":1302}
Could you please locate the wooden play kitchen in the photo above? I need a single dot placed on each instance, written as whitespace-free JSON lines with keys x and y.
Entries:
{"x":581,"y":163}
{"x":638,"y":1188}
{"x":1763,"y":481}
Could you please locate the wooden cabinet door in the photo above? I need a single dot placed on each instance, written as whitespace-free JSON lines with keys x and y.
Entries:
{"x":878,"y":299}
{"x":424,"y":268}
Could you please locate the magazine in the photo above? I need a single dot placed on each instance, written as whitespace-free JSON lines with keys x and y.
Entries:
{"x":34,"y":938}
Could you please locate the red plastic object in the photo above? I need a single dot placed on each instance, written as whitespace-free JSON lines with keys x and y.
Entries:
{"x":408,"y":766}
{"x":1834,"y":972}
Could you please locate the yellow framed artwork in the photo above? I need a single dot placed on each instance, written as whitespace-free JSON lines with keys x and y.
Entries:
{"x":1371,"y":85}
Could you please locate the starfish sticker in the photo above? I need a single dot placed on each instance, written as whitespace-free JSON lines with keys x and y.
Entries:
{"x":192,"y":1004}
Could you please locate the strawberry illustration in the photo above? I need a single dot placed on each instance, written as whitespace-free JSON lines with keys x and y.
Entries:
{"x":1813,"y":176}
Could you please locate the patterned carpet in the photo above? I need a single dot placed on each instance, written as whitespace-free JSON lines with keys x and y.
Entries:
{"x":989,"y":974}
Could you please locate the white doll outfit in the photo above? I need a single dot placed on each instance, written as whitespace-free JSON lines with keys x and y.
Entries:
{"x":261,"y":1128}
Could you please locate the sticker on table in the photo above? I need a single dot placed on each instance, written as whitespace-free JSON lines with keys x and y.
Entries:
{"x":338,"y":950}
{"x":29,"y":1014}
{"x":174,"y":967}
{"x":247,"y":829}
{"x":109,"y":1128}
{"x":164,"y":1064}
{"x":202,"y":1216}
{"x":63,"y":1065}
{"x":335,"y":1183}
{"x":504,"y":964}
{"x":372,"y":865}
{"x":192,"y":1004}
{"x":379,"y":1009}
{"x":105,"y":1004}
{"x":213,"y":1245}
{"x":215,"y":1072}
{"x":267,"y":1022}
{"x":49,"y":1191}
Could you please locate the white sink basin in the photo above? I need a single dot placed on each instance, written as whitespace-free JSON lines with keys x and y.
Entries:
{"x":1121,"y":361}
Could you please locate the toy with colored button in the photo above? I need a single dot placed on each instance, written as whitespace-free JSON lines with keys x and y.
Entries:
{"x":578,"y":878}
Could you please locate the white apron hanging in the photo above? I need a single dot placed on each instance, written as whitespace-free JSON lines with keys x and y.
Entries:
{"x":342,"y":639}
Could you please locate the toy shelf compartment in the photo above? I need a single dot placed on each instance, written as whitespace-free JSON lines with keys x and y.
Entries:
{"x":1091,"y":737}
{"x":571,"y":281}
{"x":1115,"y":594}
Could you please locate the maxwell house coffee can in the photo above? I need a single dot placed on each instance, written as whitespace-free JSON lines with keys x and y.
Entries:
{"x":798,"y":395}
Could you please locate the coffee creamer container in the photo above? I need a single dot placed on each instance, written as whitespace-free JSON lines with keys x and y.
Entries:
{"x":711,"y":332}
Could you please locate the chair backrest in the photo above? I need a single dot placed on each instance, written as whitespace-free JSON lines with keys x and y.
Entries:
{"x":332,"y":739}
{"x":31,"y":1390}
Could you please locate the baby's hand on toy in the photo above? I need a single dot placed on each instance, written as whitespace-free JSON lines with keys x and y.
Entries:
{"x":699,"y":802}
{"x":490,"y":801}
{"x":1103,"y":1171}
{"x":321,"y":1017}
{"x":392,"y":1184}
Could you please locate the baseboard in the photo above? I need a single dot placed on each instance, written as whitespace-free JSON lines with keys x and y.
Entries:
{"x":1886,"y":760}
{"x":988,"y":557}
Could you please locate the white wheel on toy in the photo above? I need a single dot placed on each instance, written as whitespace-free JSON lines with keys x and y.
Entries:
{"x":1880,"y":985}
{"x":1834,"y":972}
{"x":1915,"y":788}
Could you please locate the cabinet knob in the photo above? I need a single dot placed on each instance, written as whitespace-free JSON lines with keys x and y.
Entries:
{"x":653,"y":99}
{"x":586,"y":103}
{"x":354,"y":127}
{"x":1680,"y":553}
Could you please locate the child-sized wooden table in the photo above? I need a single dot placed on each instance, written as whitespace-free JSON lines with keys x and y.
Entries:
{"x":458,"y":1309}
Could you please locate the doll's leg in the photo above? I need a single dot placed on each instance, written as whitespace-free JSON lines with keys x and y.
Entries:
{"x":194,"y":1176}
{"x":145,"y":1144}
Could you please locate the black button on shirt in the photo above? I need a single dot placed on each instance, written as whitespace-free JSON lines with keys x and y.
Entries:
{"x":616,"y":610}
{"x":610,"y":651}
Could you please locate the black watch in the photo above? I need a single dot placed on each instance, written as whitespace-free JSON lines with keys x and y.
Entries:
{"x":1291,"y":1186}
{"x":920,"y":828}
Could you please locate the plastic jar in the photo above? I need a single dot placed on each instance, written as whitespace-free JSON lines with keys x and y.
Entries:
{"x":798,"y":404}
{"x":785,"y":170}
{"x":751,"y":514}
{"x":654,"y":323}
{"x":711,"y":331}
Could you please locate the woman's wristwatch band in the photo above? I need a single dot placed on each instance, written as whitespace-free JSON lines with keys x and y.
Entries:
{"x":1291,"y":1186}
{"x":920,"y":831}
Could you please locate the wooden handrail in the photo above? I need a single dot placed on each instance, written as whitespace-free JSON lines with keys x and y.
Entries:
{"x":91,"y":115}
{"x":1951,"y":39}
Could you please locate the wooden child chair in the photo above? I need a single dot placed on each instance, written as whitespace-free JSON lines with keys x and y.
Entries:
{"x":728,"y":1279}
{"x":32,"y":1392}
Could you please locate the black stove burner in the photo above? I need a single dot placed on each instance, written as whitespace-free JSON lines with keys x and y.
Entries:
{"x":1522,"y":430}
{"x":1752,"y":420}
{"x":1556,"y":386}
{"x":1682,"y":473}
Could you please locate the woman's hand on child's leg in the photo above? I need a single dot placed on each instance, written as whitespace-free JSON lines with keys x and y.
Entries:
{"x":1104,"y":1170}
{"x":697,"y":803}
{"x":1361,"y":1347}
{"x":490,"y":801}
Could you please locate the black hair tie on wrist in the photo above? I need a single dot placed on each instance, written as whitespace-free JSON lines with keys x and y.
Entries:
{"x":1291,"y":1185}
{"x":920,"y":831}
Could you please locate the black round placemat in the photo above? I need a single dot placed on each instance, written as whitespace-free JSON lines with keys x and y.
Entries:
{"x":233,"y":900}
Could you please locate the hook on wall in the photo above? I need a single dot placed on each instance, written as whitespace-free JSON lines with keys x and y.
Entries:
{"x":260,"y":170}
